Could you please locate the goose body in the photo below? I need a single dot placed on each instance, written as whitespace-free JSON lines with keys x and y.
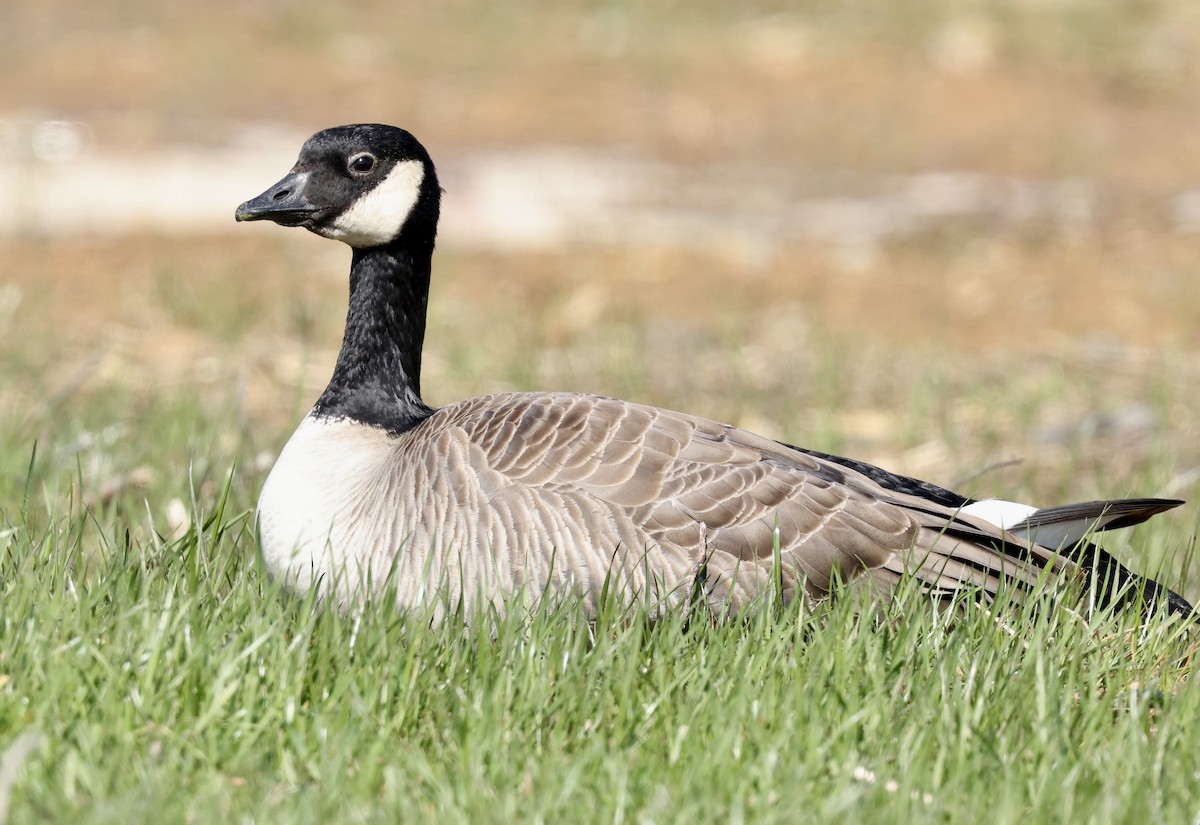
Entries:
{"x":574,"y":495}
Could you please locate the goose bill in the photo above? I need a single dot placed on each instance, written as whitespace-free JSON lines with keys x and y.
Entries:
{"x":284,"y":203}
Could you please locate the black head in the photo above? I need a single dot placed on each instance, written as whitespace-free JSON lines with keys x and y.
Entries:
{"x":366,"y":185}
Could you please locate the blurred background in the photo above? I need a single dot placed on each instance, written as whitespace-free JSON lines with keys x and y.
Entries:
{"x":961,"y":239}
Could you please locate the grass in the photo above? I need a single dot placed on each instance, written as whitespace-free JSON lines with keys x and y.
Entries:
{"x":169,"y":680}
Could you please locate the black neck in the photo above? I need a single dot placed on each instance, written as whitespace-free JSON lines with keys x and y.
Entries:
{"x":377,"y":380}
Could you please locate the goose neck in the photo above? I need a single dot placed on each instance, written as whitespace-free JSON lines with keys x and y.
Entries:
{"x":377,"y":379}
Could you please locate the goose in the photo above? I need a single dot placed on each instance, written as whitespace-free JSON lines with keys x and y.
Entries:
{"x":584,"y":497}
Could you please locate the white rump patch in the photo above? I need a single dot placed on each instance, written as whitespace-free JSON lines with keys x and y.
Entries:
{"x":377,"y":216}
{"x":1004,"y":514}
{"x":1012,"y":516}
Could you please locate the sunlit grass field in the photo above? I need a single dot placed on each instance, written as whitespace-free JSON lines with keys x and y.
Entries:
{"x":150,"y":672}
{"x":166,"y":680}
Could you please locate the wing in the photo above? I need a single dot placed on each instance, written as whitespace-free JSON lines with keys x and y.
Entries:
{"x":709,"y":500}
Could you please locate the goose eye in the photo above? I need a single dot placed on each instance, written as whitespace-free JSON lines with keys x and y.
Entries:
{"x":362,"y":163}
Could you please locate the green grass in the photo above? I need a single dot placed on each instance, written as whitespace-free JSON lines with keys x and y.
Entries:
{"x":170,"y":681}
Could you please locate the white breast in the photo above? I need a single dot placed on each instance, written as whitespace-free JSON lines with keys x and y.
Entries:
{"x":310,"y":502}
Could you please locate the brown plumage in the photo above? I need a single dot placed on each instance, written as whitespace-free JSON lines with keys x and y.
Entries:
{"x":659,"y":498}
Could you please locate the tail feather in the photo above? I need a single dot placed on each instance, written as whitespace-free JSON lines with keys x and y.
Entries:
{"x":1067,"y":529}
{"x":1118,"y":585}
{"x":1056,"y":527}
{"x":1073,"y":522}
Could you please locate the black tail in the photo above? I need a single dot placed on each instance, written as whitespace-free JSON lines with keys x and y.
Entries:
{"x":1118,"y":586}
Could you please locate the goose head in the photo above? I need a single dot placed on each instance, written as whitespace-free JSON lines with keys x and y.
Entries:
{"x":367,"y":185}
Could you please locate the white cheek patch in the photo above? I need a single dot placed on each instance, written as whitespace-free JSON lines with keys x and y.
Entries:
{"x":377,"y":216}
